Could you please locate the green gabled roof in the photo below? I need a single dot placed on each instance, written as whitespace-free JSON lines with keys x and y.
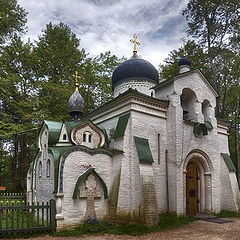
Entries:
{"x":57,"y":151}
{"x":54,"y":129}
{"x":121,"y":125}
{"x":84,"y":176}
{"x":70,"y":126}
{"x":105,"y":135}
{"x":143,"y":150}
{"x":228,"y":161}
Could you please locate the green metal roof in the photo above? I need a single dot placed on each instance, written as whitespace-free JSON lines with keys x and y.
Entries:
{"x":143,"y":150}
{"x":70,"y":126}
{"x":57,"y":151}
{"x":121,"y":125}
{"x":54,"y":129}
{"x":208,"y":125}
{"x":228,"y":161}
{"x":83,"y":178}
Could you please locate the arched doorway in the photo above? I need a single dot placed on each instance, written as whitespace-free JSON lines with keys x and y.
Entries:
{"x":197,"y":169}
{"x":192,"y":187}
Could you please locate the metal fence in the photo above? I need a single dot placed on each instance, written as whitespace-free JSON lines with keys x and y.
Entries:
{"x":16,"y":216}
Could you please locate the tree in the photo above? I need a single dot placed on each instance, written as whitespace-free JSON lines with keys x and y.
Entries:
{"x":12,"y":19}
{"x":213,"y":23}
{"x":57,"y":56}
{"x":195,"y":54}
{"x":17,"y":103}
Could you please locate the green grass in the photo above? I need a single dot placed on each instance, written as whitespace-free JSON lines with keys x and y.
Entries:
{"x":93,"y":226}
{"x":16,"y":219}
{"x":227,"y":214}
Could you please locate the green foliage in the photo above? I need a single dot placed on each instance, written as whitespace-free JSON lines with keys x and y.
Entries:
{"x":168,"y":221}
{"x":12,"y":19}
{"x":211,"y":20}
{"x":227,"y":214}
{"x":195,"y":54}
{"x":36,"y":83}
{"x":93,"y":226}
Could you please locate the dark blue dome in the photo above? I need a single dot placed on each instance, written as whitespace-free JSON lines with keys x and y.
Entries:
{"x":135,"y":68}
{"x":184,"y":61}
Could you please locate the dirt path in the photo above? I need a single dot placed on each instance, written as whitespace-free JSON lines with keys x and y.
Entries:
{"x":197,"y":230}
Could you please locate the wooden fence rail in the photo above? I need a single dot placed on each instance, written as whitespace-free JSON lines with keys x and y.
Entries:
{"x":6,"y":195}
{"x":15,"y":217}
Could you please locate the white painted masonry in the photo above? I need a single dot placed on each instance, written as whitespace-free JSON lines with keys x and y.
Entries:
{"x":137,"y":192}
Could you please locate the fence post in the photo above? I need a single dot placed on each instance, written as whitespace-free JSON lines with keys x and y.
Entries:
{"x":53,"y":214}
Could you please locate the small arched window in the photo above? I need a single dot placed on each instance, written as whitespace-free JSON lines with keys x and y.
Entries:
{"x":40,"y":169}
{"x":87,"y":137}
{"x":48,"y":168}
{"x":64,"y":136}
{"x":206,"y":110}
{"x":188,"y":100}
{"x":90,"y":138}
{"x":84,"y":137}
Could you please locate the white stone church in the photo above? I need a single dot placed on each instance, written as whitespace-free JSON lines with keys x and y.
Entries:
{"x":156,"y":147}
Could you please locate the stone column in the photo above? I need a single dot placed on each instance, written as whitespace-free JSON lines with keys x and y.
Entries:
{"x":198,"y":111}
{"x":184,"y":192}
{"x":59,"y":197}
{"x":208,"y":192}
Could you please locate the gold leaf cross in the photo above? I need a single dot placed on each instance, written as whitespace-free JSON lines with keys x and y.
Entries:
{"x":76,"y":76}
{"x":135,"y":43}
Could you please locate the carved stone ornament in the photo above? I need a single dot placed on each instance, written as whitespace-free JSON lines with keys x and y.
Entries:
{"x":90,"y":192}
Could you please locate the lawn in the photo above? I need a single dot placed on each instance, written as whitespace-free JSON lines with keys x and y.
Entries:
{"x":93,"y":226}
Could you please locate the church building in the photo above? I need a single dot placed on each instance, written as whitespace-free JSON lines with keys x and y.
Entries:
{"x":156,"y":147}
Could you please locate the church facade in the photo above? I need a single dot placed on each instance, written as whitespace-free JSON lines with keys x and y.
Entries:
{"x":154,"y":148}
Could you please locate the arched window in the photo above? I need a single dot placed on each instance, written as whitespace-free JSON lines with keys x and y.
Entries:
{"x":206,"y":110}
{"x":48,"y":168}
{"x":64,"y":136}
{"x":45,"y":151}
{"x":84,"y":137}
{"x":87,"y":137}
{"x":40,"y":169}
{"x":90,"y":138}
{"x":188,"y":100}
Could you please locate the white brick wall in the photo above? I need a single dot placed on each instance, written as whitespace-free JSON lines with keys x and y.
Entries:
{"x":219,"y":189}
{"x":74,"y":210}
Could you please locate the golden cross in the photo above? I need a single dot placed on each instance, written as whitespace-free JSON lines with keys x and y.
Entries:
{"x":76,"y":76}
{"x":184,"y":45}
{"x":135,"y":43}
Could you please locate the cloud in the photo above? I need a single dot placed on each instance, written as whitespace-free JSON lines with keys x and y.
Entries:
{"x":104,"y":25}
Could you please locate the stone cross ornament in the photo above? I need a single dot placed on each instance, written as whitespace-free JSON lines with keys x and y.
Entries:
{"x":90,"y":192}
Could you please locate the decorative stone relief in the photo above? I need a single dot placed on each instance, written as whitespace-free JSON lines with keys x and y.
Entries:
{"x":90,"y":192}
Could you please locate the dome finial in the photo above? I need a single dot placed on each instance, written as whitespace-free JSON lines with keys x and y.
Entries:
{"x":76,"y":76}
{"x":183,"y":63}
{"x":184,"y":40}
{"x":135,"y":43}
{"x":76,"y":102}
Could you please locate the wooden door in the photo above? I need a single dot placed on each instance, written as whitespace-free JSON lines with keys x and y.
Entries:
{"x":192,"y":189}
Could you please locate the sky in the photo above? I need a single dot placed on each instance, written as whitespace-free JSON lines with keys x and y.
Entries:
{"x":108,"y":25}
